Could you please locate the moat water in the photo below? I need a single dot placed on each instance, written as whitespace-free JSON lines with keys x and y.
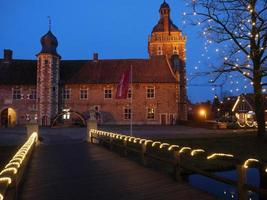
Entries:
{"x":225,"y":191}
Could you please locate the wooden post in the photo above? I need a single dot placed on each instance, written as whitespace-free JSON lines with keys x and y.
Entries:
{"x":176,"y":166}
{"x":91,"y":124}
{"x":32,"y":128}
{"x":125,"y":147}
{"x":110,"y":142}
{"x":241,"y":181}
{"x":143,"y":153}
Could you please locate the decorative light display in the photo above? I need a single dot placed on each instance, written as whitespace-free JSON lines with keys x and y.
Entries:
{"x":215,"y":155}
{"x":250,"y":160}
{"x":11,"y":169}
{"x":196,"y":151}
{"x":232,"y":52}
{"x":164,"y":145}
{"x":193,"y":152}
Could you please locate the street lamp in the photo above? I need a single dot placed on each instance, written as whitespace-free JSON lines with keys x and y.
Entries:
{"x":203,"y":113}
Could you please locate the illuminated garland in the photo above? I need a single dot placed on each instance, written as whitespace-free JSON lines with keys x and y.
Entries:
{"x":214,"y":155}
{"x":14,"y":164}
{"x":195,"y":151}
{"x":160,"y":146}
{"x":250,"y":160}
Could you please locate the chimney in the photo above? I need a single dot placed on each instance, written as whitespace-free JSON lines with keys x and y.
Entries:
{"x":8,"y":55}
{"x":95,"y":57}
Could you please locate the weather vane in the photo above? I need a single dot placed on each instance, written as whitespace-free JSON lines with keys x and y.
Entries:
{"x":49,"y":22}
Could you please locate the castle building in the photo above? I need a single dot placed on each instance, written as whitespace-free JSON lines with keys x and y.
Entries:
{"x":52,"y":91}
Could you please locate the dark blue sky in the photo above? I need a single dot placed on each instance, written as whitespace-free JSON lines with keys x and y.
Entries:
{"x":114,"y":29}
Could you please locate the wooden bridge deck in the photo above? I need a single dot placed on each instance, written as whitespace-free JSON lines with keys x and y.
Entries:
{"x":86,"y":171}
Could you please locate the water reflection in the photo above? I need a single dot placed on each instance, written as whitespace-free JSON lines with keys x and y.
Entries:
{"x":222,"y":190}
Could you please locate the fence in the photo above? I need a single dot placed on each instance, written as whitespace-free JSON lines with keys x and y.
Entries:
{"x":171,"y":154}
{"x":12,"y":173}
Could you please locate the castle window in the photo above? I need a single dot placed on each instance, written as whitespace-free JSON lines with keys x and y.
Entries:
{"x":160,"y":51}
{"x":150,"y":113}
{"x":16,"y":93}
{"x":175,"y":51}
{"x":33,"y":94}
{"x":108,"y":93}
{"x":66,"y":93}
{"x":46,"y":62}
{"x":150,"y":92}
{"x":83,"y":93}
{"x":129,"y":94}
{"x":127,"y":113}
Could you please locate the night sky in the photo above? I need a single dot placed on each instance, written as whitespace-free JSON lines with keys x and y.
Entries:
{"x":114,"y":29}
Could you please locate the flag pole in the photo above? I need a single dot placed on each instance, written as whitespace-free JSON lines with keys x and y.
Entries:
{"x":131,"y":123}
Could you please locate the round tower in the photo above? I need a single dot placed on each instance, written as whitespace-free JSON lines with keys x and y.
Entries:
{"x":48,"y":79}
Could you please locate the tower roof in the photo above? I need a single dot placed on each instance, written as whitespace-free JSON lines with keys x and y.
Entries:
{"x":164,"y":5}
{"x":165,"y":13}
{"x":160,"y":26}
{"x":49,"y":43}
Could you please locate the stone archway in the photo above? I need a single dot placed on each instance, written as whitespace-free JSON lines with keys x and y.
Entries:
{"x":8,"y":117}
{"x":72,"y":114}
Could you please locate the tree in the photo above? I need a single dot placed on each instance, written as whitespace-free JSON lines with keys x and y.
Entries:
{"x":241,"y":26}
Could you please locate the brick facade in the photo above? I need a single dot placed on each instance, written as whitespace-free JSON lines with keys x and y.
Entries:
{"x":85,"y":81}
{"x":112,"y":110}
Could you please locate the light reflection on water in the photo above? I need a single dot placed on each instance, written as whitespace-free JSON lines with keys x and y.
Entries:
{"x":222,"y":190}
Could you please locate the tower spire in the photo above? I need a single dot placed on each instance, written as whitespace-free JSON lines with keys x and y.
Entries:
{"x":49,"y":23}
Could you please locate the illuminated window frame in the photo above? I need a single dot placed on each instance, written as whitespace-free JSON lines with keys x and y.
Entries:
{"x":33,"y":94}
{"x":150,"y":114}
{"x":127,"y":113}
{"x":66,"y":93}
{"x":16,"y":93}
{"x":83,"y":93}
{"x":108,"y":93}
{"x":150,"y":92}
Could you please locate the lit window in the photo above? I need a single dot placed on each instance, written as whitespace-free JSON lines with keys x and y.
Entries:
{"x":108,"y":93}
{"x":150,"y":92}
{"x":83,"y":94}
{"x":66,"y":115}
{"x":150,"y":113}
{"x":33,"y":94}
{"x":127,"y":113}
{"x":16,"y":93}
{"x":66,"y":93}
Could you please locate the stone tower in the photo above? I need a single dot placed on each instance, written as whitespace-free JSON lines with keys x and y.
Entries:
{"x":166,"y":39}
{"x":47,"y":79}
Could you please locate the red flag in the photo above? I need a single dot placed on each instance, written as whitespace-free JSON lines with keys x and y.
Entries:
{"x":123,"y":87}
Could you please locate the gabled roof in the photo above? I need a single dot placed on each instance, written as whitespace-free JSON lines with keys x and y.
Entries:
{"x":154,"y":70}
{"x":18,"y":72}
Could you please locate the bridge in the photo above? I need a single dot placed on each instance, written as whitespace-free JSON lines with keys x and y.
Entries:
{"x":81,"y":169}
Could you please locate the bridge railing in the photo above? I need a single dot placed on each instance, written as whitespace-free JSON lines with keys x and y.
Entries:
{"x":13,"y":171}
{"x":171,"y":155}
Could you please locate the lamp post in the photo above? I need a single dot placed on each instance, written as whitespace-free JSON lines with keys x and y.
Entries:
{"x":203,"y":113}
